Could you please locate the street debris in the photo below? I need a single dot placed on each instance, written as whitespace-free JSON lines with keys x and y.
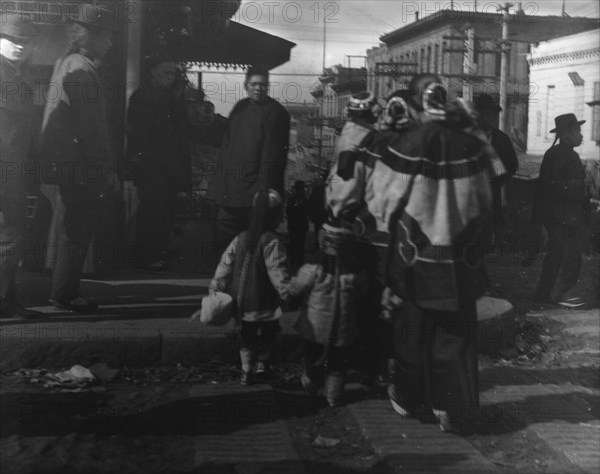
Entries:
{"x":322,"y":442}
{"x":76,"y":379}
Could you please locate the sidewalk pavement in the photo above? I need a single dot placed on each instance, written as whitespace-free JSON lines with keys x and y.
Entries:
{"x":143,"y":320}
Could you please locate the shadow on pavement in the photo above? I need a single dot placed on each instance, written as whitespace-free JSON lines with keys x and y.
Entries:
{"x":58,"y":414}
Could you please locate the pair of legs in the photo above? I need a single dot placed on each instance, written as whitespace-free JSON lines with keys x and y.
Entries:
{"x":563,"y":257}
{"x":81,"y":208}
{"x":256,"y":342}
{"x":158,"y":197}
{"x":331,"y":373}
{"x":13,"y":226}
{"x":435,"y":361}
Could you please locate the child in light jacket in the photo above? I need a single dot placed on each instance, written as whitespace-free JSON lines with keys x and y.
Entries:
{"x":254,"y":270}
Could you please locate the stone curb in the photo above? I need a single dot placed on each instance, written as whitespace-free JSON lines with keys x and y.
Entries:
{"x":133,"y":343}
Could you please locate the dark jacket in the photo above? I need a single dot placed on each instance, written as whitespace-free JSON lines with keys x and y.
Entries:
{"x":15,"y":113}
{"x":156,"y":136}
{"x":254,"y":151}
{"x":429,"y":187}
{"x":316,"y":206}
{"x":503,"y":146}
{"x":560,"y":193}
{"x":75,"y":145}
{"x":297,"y":213}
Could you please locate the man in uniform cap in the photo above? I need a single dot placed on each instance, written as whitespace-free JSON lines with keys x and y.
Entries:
{"x":559,"y":205}
{"x":76,"y":145}
{"x":15,"y":113}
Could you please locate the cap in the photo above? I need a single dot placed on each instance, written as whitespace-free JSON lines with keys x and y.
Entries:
{"x":486,"y":101}
{"x":361,"y":101}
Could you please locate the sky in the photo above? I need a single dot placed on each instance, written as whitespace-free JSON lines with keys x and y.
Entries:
{"x":351,"y":27}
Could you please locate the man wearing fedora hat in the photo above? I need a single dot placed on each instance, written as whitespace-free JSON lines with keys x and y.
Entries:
{"x":76,"y":146}
{"x":15,"y":115}
{"x":559,"y":204}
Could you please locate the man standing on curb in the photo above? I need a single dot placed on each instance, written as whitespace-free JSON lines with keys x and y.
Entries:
{"x":76,"y":144}
{"x":559,"y":205}
{"x":156,"y":138}
{"x":254,"y":155}
{"x":14,"y":147}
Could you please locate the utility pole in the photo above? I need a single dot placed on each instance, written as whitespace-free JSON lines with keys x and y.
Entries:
{"x":505,"y":50}
{"x":469,"y":68}
{"x":322,"y":108}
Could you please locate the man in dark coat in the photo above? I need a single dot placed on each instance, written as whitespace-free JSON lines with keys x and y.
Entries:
{"x":156,"y":122}
{"x":15,"y":116}
{"x":76,"y":147}
{"x":254,"y":155}
{"x":488,"y":110}
{"x":297,"y":223}
{"x":559,"y":205}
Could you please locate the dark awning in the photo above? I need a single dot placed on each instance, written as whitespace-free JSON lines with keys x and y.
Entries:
{"x":237,"y":45}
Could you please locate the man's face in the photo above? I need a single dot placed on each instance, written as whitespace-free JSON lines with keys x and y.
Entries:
{"x":572,"y":137}
{"x":257,"y":87}
{"x":163,"y":75}
{"x":12,"y":49}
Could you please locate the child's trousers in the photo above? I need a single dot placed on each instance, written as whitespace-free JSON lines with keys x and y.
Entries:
{"x":257,"y":340}
{"x":335,"y":369}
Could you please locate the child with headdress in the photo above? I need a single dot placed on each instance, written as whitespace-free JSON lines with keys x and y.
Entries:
{"x":254,"y":270}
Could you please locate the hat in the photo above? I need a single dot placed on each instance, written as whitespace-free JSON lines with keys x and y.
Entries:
{"x":361,"y":101}
{"x":486,"y":101}
{"x":565,"y":121}
{"x":418,"y":86}
{"x":16,"y":27}
{"x":96,"y":16}
{"x":275,"y":200}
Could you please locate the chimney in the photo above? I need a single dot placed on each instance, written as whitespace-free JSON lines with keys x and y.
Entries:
{"x":417,"y":15}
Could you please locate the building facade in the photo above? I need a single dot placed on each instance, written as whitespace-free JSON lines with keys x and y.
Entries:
{"x":336,"y":86}
{"x":464,"y":48}
{"x":565,"y":77}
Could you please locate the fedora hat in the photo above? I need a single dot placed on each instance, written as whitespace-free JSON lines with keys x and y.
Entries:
{"x":96,"y":16}
{"x":17,"y":28}
{"x":563,"y":122}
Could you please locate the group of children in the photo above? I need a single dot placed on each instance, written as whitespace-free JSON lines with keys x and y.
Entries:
{"x":255,"y":271}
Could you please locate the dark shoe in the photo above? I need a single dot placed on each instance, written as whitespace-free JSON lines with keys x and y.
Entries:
{"x":12,"y":309}
{"x":574,"y":302}
{"x":406,"y":412}
{"x":544,"y":303}
{"x":308,"y":384}
{"x":159,"y":266}
{"x":246,"y":378}
{"x":77,"y":305}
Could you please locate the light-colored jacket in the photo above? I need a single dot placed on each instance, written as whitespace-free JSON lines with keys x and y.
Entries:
{"x":268,"y":280}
